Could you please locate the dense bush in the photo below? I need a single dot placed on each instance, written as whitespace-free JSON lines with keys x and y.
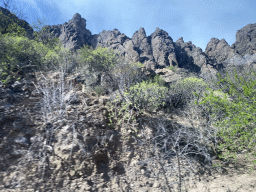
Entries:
{"x":237,"y":131}
{"x":148,"y":96}
{"x":10,"y":27}
{"x":182,"y":91}
{"x":18,"y":53}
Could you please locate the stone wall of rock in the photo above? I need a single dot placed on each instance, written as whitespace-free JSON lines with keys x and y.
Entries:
{"x":158,"y":51}
{"x":218,"y":51}
{"x":246,"y":40}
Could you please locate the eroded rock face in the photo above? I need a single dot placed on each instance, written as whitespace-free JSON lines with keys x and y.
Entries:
{"x":218,"y":51}
{"x":142,"y":45}
{"x":246,"y":40}
{"x":74,"y":33}
{"x":163,"y":49}
{"x":189,"y":56}
{"x":158,"y":50}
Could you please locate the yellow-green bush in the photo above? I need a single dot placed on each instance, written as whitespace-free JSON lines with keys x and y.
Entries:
{"x":17,"y":52}
{"x":237,"y":126}
{"x":173,"y":68}
{"x":148,"y":96}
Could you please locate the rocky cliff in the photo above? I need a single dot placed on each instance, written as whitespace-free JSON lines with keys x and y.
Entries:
{"x":54,"y":136}
{"x":159,"y":51}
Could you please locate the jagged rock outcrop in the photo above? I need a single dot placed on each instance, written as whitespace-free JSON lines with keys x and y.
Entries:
{"x":143,"y":47}
{"x":163,"y":48}
{"x":72,"y":34}
{"x":153,"y":51}
{"x":218,"y":51}
{"x":158,"y":50}
{"x":189,"y":56}
{"x":246,"y":40}
{"x":22,"y":23}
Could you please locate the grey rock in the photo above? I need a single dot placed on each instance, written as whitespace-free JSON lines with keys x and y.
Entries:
{"x":246,"y":40}
{"x":17,"y":86}
{"x":74,"y":33}
{"x":72,"y":98}
{"x":158,"y":50}
{"x":142,"y":45}
{"x":189,"y":56}
{"x":218,"y":51}
{"x":22,"y":141}
{"x":163,"y":48}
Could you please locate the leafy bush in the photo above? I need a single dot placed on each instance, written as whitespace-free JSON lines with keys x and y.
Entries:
{"x":148,"y":96}
{"x":237,"y":130}
{"x":182,"y":91}
{"x":10,"y":26}
{"x":106,"y":68}
{"x":159,"y":80}
{"x":19,"y":52}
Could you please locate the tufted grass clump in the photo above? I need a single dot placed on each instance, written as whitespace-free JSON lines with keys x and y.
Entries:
{"x":173,"y":68}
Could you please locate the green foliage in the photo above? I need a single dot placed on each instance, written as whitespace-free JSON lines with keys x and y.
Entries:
{"x":99,"y":90}
{"x":103,"y":62}
{"x":173,"y":68}
{"x":98,"y":60}
{"x":46,"y":37}
{"x":192,"y":82}
{"x":237,"y":127}
{"x":10,"y":27}
{"x":139,"y":97}
{"x":19,"y":52}
{"x":128,"y":74}
{"x":118,"y":114}
{"x":182,"y":91}
{"x":146,"y":95}
{"x":159,"y":80}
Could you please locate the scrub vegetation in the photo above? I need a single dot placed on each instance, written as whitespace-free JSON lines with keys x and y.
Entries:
{"x":231,"y":108}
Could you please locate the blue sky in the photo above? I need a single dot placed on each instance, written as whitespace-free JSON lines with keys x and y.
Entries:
{"x":194,"y":20}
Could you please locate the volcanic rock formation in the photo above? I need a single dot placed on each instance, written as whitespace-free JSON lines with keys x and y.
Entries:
{"x":158,"y":50}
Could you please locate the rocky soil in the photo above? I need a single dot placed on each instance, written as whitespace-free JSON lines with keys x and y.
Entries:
{"x":69,"y":146}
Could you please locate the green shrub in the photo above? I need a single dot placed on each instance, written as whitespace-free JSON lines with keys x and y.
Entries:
{"x":159,"y":80}
{"x":237,"y":128}
{"x":99,"y":90}
{"x":173,"y":68}
{"x":10,"y":27}
{"x":19,"y":52}
{"x":148,"y":96}
{"x":182,"y":91}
